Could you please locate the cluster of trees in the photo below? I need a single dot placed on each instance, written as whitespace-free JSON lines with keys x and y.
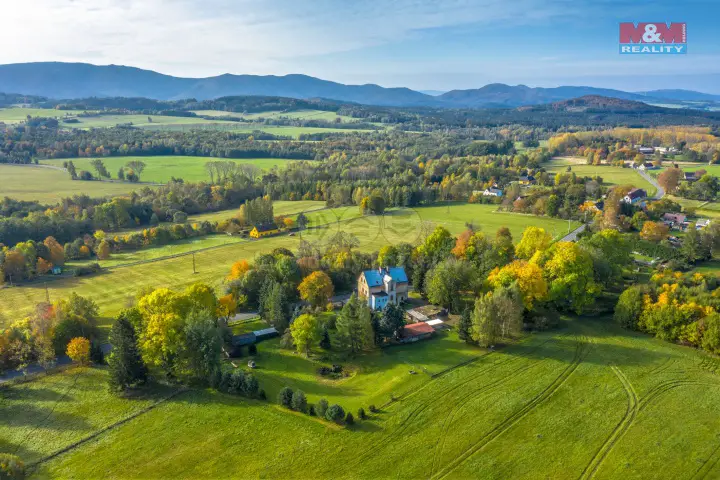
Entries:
{"x":695,"y":143}
{"x":705,"y":187}
{"x":675,"y":307}
{"x":296,"y":400}
{"x":27,"y":260}
{"x":49,"y":331}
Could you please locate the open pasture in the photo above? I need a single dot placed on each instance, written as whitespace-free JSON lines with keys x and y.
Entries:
{"x":586,"y":401}
{"x":610,"y":175}
{"x":49,"y":186}
{"x":161,"y":168}
{"x":16,"y":115}
{"x":297,"y":114}
{"x":113,"y":289}
{"x":102,"y":121}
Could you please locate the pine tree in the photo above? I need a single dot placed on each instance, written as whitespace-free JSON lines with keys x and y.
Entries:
{"x":127,"y":368}
{"x":465,"y":325}
{"x":354,"y":326}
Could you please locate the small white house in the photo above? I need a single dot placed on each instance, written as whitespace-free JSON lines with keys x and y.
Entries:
{"x":493,"y":192}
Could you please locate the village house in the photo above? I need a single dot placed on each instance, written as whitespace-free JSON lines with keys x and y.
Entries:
{"x":634,"y":196}
{"x":264,"y":230}
{"x":416,"y":332}
{"x":700,"y":224}
{"x":492,"y":192}
{"x":526,"y":180}
{"x":383,"y":286}
{"x":689,"y":176}
{"x":647,"y":166}
{"x":675,"y":220}
{"x":646,"y":150}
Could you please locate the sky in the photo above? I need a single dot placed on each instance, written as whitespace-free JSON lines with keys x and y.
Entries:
{"x":420,"y":44}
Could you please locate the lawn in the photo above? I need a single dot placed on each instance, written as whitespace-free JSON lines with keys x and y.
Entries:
{"x":49,"y":186}
{"x":161,"y":168}
{"x":587,"y":401}
{"x":113,"y":289}
{"x":101,"y":121}
{"x":298,"y":114}
{"x":610,"y":175}
{"x":15,"y":115}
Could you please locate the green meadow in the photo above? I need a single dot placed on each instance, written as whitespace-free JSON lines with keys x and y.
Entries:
{"x":297,"y":115}
{"x":113,"y":289}
{"x":610,"y":175}
{"x":102,"y":121}
{"x":16,"y":115}
{"x":161,"y":168}
{"x":586,"y":400}
{"x":49,"y":186}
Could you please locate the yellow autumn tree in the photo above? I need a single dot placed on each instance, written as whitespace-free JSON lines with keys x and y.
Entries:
{"x":79,"y":350}
{"x":316,"y":288}
{"x":529,"y":278}
{"x":534,"y":239}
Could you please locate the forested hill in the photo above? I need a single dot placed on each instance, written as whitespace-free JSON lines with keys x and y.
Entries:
{"x":79,"y":80}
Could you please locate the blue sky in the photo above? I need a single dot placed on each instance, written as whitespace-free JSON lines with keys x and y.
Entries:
{"x":421,"y":44}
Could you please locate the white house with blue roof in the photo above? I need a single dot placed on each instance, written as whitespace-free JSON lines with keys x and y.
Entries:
{"x":383,"y":286}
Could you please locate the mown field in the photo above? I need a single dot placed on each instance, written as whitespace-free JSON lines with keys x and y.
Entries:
{"x":101,"y":121}
{"x":48,"y":186}
{"x":114,"y":289}
{"x":610,"y":175}
{"x":588,"y":400}
{"x":161,"y":168}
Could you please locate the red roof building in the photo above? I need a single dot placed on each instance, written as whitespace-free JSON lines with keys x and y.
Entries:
{"x":416,"y":331}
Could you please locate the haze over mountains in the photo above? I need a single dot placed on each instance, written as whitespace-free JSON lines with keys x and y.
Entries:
{"x":77,"y":80}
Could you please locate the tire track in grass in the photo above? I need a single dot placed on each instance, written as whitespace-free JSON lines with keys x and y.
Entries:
{"x":487,"y":388}
{"x":619,"y":430}
{"x":440,"y":447}
{"x":632,"y":413}
{"x":405,"y":423}
{"x":580,"y":353}
{"x":708,"y":465}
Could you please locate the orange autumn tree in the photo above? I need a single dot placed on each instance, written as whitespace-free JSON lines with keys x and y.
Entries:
{"x":654,"y":231}
{"x":238,"y":270}
{"x":461,"y":244}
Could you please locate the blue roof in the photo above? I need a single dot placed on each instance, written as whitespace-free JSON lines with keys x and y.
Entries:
{"x":374,"y":278}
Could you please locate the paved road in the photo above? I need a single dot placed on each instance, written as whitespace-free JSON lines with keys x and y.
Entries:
{"x":660,"y":191}
{"x":572,"y":236}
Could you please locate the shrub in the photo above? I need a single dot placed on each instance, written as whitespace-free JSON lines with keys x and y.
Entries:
{"x":262,"y":395}
{"x":361,"y":413}
{"x":349,"y":419}
{"x":252,"y":349}
{"x":250,"y":386}
{"x":372,"y":408}
{"x":11,"y":467}
{"x":311,"y":410}
{"x":180,"y":217}
{"x":285,"y":397}
{"x":299,"y":402}
{"x":335,"y":413}
{"x":96,"y":354}
{"x":79,"y":350}
{"x":321,"y":407}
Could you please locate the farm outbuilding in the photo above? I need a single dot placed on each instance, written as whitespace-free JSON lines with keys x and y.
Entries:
{"x":416,"y":332}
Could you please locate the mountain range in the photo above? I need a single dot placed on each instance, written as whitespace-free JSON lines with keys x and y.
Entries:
{"x":78,"y":80}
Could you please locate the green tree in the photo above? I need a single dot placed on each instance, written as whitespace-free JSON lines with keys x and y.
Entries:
{"x":321,"y":408}
{"x":285,"y":397}
{"x":445,"y":283}
{"x":11,"y":467}
{"x":388,"y":256}
{"x":392,"y":321}
{"x":534,"y":239}
{"x":354,"y":326}
{"x":465,"y":326}
{"x":299,"y":401}
{"x":497,"y":316}
{"x":305,"y":332}
{"x":203,"y":344}
{"x":711,"y":336}
{"x":437,"y":246}
{"x":126,"y":366}
{"x":335,"y":413}
{"x":274,"y":306}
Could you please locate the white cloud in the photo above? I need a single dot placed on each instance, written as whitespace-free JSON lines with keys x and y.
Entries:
{"x":194,"y":37}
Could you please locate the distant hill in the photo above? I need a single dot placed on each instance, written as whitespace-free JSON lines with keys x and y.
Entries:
{"x":80,"y":80}
{"x":597,"y":103}
{"x":58,"y":80}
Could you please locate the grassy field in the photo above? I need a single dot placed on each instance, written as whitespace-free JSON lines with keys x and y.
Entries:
{"x":587,"y":401}
{"x":15,"y":115}
{"x":113,"y":289}
{"x":298,"y":114}
{"x":610,"y":175}
{"x":101,"y":121}
{"x":48,"y":186}
{"x":161,"y":168}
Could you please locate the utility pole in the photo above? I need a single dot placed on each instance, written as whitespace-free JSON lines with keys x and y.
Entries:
{"x":194,"y":271}
{"x":47,"y":293}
